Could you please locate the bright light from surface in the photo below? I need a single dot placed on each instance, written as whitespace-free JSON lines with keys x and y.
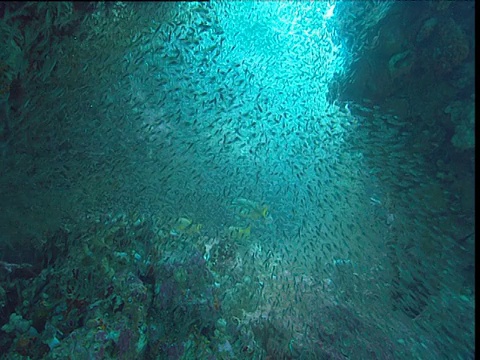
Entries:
{"x":329,"y":12}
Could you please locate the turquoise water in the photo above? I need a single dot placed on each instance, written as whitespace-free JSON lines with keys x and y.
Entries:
{"x":230,"y":180}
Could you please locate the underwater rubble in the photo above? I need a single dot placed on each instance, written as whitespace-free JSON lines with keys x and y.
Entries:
{"x":125,"y":288}
{"x":119,"y":292}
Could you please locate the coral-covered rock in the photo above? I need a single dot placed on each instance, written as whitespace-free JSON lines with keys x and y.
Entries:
{"x":427,"y":29}
{"x":451,"y":47}
{"x":462,"y":115}
{"x":401,"y":64}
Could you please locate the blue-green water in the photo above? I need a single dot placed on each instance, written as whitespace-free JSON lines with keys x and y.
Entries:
{"x":237,"y":180}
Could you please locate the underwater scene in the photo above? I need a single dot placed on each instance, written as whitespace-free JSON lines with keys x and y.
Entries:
{"x":237,"y":180}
